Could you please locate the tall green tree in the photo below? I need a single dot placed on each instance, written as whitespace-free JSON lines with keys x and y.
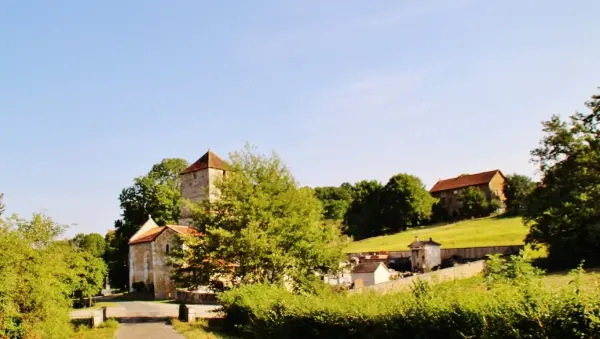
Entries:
{"x":516,"y":190}
{"x":93,"y":243}
{"x":335,"y":200}
{"x":36,"y":279}
{"x":156,"y":193}
{"x":474,"y":203}
{"x":563,"y":212}
{"x":264,"y":224}
{"x":406,"y":203}
{"x":363,"y":217}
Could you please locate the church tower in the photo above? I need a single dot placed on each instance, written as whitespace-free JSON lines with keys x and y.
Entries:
{"x":198,"y":182}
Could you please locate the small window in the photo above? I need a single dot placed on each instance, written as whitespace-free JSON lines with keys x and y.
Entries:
{"x":167,"y":250}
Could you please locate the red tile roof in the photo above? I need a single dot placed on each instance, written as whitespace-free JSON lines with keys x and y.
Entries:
{"x":153,"y":233}
{"x":464,"y":181}
{"x":208,"y":160}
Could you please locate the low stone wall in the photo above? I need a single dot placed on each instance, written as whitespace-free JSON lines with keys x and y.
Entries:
{"x":204,"y":298}
{"x":447,"y":253}
{"x":456,"y":272}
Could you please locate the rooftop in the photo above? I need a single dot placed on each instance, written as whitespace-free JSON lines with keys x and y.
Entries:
{"x":153,"y":233}
{"x":208,"y":160}
{"x":367,"y":267}
{"x":464,"y":181}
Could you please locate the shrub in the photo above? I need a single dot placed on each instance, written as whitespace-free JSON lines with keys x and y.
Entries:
{"x":504,"y":310}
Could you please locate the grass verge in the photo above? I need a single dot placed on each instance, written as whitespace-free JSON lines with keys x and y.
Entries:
{"x":106,"y":330}
{"x":201,"y":329}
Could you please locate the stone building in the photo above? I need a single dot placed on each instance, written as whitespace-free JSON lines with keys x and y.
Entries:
{"x":490,"y":182}
{"x":150,"y":245}
{"x":425,"y":255}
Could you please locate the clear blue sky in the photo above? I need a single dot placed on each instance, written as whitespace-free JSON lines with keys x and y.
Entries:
{"x":92,"y":93}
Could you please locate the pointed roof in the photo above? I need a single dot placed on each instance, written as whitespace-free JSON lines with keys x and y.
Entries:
{"x":464,"y":181}
{"x":418,"y":243}
{"x":208,"y":160}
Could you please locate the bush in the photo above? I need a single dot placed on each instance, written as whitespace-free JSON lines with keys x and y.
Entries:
{"x":504,"y":310}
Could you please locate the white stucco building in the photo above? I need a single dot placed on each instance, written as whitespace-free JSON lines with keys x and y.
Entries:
{"x":370,"y":273}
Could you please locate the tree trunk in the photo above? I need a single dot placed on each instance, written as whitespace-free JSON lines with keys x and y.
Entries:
{"x":90,"y":300}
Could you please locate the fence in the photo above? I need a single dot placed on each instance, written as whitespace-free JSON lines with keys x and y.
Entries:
{"x":456,"y":272}
{"x":187,"y":297}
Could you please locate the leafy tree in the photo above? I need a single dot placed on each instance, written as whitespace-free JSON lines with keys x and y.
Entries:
{"x":92,"y":243}
{"x":335,"y":200}
{"x":474,"y":203}
{"x":264,"y":224}
{"x":36,"y":279}
{"x":157,"y":193}
{"x":406,"y":203}
{"x":89,"y":271}
{"x":516,"y":190}
{"x":363,"y":218}
{"x":564,"y":209}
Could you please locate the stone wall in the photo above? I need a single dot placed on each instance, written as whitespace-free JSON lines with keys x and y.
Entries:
{"x":447,"y":253}
{"x":140,"y":264}
{"x":456,"y":272}
{"x":187,"y":297}
{"x":194,"y":186}
{"x":163,"y":285}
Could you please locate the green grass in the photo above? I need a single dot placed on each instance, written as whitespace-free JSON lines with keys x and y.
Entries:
{"x":201,"y":329}
{"x":106,"y":330}
{"x":472,"y":233}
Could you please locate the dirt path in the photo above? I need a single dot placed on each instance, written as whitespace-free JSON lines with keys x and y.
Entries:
{"x":146,"y":328}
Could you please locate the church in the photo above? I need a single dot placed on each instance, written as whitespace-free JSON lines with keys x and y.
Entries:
{"x":150,"y":245}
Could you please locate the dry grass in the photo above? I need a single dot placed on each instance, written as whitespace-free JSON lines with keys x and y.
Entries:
{"x":201,"y":329}
{"x":106,"y":330}
{"x":472,"y":233}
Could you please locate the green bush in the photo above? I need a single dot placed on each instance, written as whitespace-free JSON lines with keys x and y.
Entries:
{"x":506,"y":309}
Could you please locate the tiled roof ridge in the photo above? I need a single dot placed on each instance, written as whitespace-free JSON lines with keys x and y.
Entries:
{"x":466,"y":180}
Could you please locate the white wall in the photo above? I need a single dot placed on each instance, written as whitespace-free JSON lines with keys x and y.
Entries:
{"x":380,"y":275}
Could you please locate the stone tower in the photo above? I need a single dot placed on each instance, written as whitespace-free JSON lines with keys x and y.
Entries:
{"x":198,"y":182}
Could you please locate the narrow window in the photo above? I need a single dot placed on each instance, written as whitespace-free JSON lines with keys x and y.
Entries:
{"x":167,"y":250}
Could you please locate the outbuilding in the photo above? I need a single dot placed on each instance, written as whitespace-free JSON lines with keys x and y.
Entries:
{"x":370,"y":273}
{"x":425,"y":255}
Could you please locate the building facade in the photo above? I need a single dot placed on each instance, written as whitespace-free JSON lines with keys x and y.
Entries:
{"x":149,"y":247}
{"x":490,"y":182}
{"x":370,"y":273}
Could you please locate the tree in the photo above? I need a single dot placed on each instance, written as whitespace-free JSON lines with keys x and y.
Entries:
{"x":263,"y":228}
{"x":1,"y":204}
{"x":89,"y":273}
{"x":36,"y":279}
{"x":363,"y":217}
{"x":92,"y":243}
{"x":158,"y":194}
{"x":516,"y":190}
{"x":474,"y":203}
{"x":335,"y":200}
{"x":563,"y":210}
{"x":406,"y":203}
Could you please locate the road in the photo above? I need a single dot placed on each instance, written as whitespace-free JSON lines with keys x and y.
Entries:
{"x":144,"y":319}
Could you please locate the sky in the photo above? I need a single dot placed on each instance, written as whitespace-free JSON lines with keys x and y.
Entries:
{"x":92,"y":93}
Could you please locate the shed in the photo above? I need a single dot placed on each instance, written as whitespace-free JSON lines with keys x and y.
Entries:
{"x":425,"y":255}
{"x":370,"y":273}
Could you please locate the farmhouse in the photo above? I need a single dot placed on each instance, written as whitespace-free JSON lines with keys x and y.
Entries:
{"x":490,"y":182}
{"x":370,"y":273}
{"x":150,"y":245}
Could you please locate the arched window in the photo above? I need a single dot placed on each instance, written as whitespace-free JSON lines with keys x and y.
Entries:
{"x":167,"y":250}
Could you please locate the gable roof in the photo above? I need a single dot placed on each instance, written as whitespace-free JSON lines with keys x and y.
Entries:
{"x":367,"y":267}
{"x":153,"y":233}
{"x":418,"y":243}
{"x":208,"y":160}
{"x":464,"y":181}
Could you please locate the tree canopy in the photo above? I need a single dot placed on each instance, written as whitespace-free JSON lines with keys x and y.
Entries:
{"x":564,"y":209}
{"x":517,"y":189}
{"x":406,"y":203}
{"x":336,"y":200}
{"x":363,"y":218}
{"x":93,"y":243}
{"x":474,"y":203}
{"x":263,"y":228}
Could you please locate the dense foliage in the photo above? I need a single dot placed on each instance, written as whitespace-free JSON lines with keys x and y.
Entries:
{"x":406,"y":203}
{"x":474,"y":203}
{"x":563,"y":211}
{"x":38,"y":275}
{"x":517,"y":189}
{"x":156,"y":193}
{"x":264,"y":224}
{"x":336,"y":200}
{"x":515,"y":305}
{"x":86,"y":260}
{"x":363,"y":218}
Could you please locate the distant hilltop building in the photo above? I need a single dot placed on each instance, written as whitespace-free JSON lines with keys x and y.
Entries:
{"x":490,"y":182}
{"x":150,"y":245}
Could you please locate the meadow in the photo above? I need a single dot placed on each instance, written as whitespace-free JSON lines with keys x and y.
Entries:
{"x":492,"y":231}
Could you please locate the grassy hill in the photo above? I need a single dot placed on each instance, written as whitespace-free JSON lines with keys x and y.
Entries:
{"x":479,"y":232}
